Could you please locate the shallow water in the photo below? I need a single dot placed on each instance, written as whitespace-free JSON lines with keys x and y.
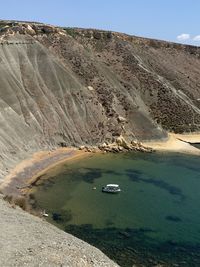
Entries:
{"x":197,"y":145}
{"x":155,"y":219}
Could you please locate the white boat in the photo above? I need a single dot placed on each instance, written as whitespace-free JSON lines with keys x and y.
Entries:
{"x":44,"y":214}
{"x":111,"y":188}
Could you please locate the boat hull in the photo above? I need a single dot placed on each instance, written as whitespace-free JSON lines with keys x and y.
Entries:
{"x":104,"y":190}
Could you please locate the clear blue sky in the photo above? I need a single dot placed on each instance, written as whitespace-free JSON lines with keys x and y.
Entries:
{"x":161,"y":19}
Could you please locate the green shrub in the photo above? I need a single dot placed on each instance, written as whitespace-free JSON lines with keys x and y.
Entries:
{"x":72,"y":32}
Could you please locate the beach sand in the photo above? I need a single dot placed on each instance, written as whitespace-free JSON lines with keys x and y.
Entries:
{"x":25,"y":174}
{"x":28,"y":171}
{"x":177,"y":143}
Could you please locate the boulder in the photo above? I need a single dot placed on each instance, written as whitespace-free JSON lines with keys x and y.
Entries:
{"x":134,"y":143}
{"x":123,"y":143}
{"x":102,"y":146}
{"x":81,"y":147}
{"x":121,"y":119}
{"x":30,"y":30}
{"x":90,"y":88}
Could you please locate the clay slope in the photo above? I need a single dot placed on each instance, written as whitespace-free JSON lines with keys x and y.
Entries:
{"x":72,"y":86}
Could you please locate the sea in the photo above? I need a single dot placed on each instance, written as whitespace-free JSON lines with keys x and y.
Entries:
{"x":153,"y":221}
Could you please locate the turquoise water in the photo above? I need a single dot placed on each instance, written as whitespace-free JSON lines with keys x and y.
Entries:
{"x":155,"y":219}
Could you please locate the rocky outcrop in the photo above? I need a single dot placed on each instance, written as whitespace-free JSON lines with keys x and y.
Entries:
{"x":14,"y":27}
{"x":121,"y":145}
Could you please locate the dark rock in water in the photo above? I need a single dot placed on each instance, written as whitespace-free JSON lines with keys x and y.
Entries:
{"x":65,"y":216}
{"x":109,"y":223}
{"x":172,"y":243}
{"x":136,"y":176}
{"x":56,"y":216}
{"x":125,"y":234}
{"x":173,"y":218}
{"x":146,"y":230}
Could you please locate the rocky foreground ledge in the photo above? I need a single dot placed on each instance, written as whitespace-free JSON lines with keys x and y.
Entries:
{"x":26,"y":240}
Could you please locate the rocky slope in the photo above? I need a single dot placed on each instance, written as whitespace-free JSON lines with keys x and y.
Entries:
{"x":69,"y":87}
{"x":26,"y":240}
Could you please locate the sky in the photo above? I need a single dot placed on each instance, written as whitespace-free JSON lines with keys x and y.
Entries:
{"x":171,"y":20}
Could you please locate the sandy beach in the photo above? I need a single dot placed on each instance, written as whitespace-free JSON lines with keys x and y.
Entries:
{"x":177,"y":143}
{"x":28,"y":171}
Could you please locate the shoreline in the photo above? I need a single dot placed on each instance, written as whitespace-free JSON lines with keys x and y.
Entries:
{"x":177,"y":143}
{"x":18,"y":185}
{"x":29,"y":171}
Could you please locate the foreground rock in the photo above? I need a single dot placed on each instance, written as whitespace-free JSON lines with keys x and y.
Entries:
{"x":26,"y":240}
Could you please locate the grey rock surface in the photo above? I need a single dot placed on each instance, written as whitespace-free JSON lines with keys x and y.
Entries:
{"x":69,"y":87}
{"x":26,"y":240}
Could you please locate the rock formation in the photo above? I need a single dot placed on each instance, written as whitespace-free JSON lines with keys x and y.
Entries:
{"x":73,"y":87}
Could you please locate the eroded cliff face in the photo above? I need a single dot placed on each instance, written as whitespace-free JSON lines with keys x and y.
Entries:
{"x":73,"y":86}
